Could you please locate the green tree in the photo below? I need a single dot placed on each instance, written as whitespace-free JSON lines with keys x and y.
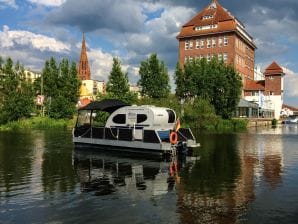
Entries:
{"x":118,"y":86}
{"x":16,"y":93}
{"x":214,"y":81}
{"x":60,"y":88}
{"x":154,"y":78}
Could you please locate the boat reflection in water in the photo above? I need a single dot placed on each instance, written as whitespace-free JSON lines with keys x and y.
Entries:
{"x":107,"y":172}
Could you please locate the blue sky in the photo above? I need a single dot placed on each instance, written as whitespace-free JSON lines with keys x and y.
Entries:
{"x":31,"y":31}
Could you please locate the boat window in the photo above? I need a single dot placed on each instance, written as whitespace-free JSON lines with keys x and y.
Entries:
{"x":83,"y":118}
{"x":99,"y":118}
{"x":171,"y":116}
{"x":119,"y":119}
{"x":141,"y":118}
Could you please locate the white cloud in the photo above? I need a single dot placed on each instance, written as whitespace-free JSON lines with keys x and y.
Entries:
{"x":50,"y":3}
{"x":101,"y":65}
{"x":291,"y":82}
{"x":10,"y":3}
{"x":14,"y":38}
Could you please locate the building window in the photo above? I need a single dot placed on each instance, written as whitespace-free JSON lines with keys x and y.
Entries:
{"x":207,"y":17}
{"x":220,"y":56}
{"x":201,"y":56}
{"x":213,"y":26}
{"x":208,"y":57}
{"x":190,"y":45}
{"x":208,"y":43}
{"x":225,"y":57}
{"x":271,"y":77}
{"x":220,"y":41}
{"x":226,"y":41}
{"x":255,"y":93}
{"x":197,"y":43}
{"x":187,"y":45}
{"x":213,"y":42}
{"x":202,"y":43}
{"x":271,"y":93}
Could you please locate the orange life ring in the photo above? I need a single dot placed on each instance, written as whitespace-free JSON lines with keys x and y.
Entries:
{"x":173,"y":137}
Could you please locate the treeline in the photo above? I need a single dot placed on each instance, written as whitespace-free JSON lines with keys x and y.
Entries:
{"x":206,"y":92}
{"x":206,"y":95}
{"x":58,"y":83}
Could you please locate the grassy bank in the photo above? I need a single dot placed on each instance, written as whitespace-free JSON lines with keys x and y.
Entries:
{"x":38,"y":123}
{"x":219,"y":125}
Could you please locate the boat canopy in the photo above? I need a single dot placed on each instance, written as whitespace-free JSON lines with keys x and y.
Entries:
{"x":107,"y":105}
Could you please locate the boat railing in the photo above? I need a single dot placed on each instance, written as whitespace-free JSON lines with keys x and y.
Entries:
{"x":185,"y":134}
{"x":115,"y":133}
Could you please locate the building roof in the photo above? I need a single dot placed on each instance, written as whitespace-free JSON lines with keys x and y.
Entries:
{"x":216,"y":10}
{"x":214,"y":14}
{"x":289,"y":107}
{"x":254,"y":85}
{"x":218,"y":13}
{"x":274,"y":68}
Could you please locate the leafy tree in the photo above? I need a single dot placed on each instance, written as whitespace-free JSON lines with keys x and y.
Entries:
{"x":16,"y":93}
{"x":60,"y":88}
{"x":154,"y":79}
{"x":117,"y":86}
{"x":214,"y":81}
{"x":199,"y":113}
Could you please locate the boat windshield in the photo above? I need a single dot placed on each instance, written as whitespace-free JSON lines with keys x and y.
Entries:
{"x":83,"y":118}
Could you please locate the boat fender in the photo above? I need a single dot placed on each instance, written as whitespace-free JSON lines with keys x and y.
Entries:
{"x":173,"y":137}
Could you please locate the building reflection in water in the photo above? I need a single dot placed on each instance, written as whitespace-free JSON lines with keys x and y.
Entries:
{"x":219,"y":188}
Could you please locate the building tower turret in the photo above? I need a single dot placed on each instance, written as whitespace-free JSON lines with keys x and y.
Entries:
{"x":84,"y":68}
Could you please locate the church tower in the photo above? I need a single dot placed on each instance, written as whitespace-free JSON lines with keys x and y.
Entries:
{"x":84,"y":68}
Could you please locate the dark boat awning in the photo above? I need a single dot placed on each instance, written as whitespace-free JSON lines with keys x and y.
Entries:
{"x":108,"y":105}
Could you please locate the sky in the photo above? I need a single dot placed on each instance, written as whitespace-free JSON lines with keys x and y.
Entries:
{"x":32,"y":31}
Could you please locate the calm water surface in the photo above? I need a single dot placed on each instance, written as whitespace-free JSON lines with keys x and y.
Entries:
{"x":238,"y":178}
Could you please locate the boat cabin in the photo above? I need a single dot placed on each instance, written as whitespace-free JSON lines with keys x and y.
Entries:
{"x":145,"y":117}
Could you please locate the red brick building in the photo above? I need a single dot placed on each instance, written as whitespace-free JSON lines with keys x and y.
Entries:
{"x":84,"y":68}
{"x":215,"y":32}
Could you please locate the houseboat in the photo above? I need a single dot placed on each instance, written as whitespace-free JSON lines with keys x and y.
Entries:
{"x":143,"y":129}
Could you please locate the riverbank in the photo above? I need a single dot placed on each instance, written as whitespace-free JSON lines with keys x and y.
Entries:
{"x":217,"y":126}
{"x":38,"y":123}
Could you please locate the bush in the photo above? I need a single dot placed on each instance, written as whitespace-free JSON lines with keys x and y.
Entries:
{"x":274,"y":122}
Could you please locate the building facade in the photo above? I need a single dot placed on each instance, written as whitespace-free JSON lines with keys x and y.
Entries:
{"x":268,"y":93}
{"x":31,"y":76}
{"x":215,"y":32}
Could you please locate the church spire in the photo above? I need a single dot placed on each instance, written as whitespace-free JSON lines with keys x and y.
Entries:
{"x":84,"y":68}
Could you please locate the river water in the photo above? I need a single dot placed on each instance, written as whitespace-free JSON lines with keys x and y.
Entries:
{"x":247,"y":177}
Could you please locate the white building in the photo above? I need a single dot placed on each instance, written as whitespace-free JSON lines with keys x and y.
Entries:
{"x":268,"y":91}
